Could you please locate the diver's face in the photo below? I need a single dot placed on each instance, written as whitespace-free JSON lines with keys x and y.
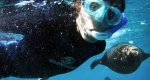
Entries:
{"x":95,"y":18}
{"x":87,"y":23}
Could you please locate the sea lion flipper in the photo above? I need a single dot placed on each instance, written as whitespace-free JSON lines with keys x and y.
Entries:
{"x":145,"y":56}
{"x":148,"y":54}
{"x":95,"y":63}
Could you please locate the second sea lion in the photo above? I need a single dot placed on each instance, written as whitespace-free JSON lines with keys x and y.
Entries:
{"x":123,"y":58}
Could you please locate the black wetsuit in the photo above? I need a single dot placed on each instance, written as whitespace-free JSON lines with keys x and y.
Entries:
{"x":51,"y":44}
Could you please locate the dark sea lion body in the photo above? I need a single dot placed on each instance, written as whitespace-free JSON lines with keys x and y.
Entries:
{"x":123,"y":58}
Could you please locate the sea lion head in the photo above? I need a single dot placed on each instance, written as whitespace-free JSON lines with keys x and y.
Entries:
{"x":126,"y":59}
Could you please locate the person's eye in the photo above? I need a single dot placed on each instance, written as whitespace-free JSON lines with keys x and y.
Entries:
{"x":95,"y":6}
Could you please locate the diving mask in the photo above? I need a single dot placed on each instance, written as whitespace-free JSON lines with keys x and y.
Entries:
{"x":108,"y":33}
{"x":100,"y":11}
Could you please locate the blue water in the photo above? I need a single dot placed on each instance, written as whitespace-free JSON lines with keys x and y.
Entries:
{"x":137,"y":31}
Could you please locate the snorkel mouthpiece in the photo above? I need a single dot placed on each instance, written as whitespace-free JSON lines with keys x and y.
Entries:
{"x":101,"y":35}
{"x":108,"y":33}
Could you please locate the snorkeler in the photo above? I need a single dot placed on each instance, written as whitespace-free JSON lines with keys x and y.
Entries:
{"x":57,"y":36}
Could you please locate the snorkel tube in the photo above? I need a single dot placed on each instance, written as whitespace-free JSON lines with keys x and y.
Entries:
{"x":108,"y":33}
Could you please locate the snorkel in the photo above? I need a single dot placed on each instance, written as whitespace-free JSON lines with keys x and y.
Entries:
{"x":100,"y":11}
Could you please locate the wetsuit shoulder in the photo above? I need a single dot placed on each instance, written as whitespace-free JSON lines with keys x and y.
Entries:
{"x":7,"y":56}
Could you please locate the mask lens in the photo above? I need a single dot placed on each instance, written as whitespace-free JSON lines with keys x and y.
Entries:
{"x":111,"y":14}
{"x":94,"y":6}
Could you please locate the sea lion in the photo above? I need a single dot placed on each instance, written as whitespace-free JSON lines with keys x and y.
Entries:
{"x":123,"y":58}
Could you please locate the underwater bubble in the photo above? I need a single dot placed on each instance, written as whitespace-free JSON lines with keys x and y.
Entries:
{"x":142,"y":22}
{"x":131,"y":42}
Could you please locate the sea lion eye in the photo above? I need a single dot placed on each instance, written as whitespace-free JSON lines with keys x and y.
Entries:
{"x":123,"y":59}
{"x":94,"y":6}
